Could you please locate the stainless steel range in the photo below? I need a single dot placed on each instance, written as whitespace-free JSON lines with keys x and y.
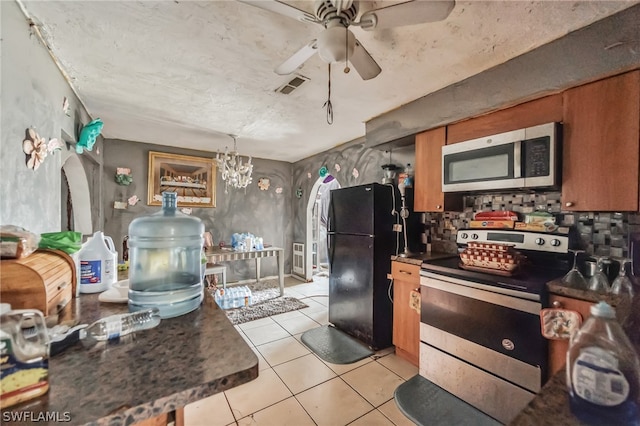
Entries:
{"x":480,"y":333}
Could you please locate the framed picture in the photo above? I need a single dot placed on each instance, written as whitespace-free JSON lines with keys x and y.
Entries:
{"x":192,"y":178}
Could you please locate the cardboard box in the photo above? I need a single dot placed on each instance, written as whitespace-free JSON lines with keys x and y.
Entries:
{"x":494,"y":224}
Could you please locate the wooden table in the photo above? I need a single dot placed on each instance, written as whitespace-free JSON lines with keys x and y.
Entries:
{"x":217,"y":255}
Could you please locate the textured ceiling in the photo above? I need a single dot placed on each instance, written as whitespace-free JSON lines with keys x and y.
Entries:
{"x":185,"y":73}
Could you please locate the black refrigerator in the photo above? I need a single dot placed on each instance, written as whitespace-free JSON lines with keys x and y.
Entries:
{"x":361,"y":241}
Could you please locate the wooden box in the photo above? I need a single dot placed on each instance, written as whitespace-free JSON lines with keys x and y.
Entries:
{"x":45,"y":280}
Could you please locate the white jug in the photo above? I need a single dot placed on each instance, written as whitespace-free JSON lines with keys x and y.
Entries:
{"x":98,"y":263}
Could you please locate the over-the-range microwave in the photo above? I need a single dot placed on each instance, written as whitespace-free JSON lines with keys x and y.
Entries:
{"x":524,"y":158}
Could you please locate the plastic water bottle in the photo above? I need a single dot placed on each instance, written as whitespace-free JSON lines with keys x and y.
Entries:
{"x":115,"y":326}
{"x":603,"y":371}
{"x":165,"y":269}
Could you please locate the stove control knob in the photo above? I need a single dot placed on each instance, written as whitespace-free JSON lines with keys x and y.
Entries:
{"x":474,"y":236}
{"x":555,"y":242}
{"x":540,"y":241}
{"x":464,"y":235}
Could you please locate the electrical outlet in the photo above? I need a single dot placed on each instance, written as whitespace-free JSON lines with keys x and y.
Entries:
{"x":389,"y":276}
{"x":397,"y":227}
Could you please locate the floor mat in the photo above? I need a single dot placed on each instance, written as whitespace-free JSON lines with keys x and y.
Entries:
{"x":335,"y":346}
{"x":425,"y":403}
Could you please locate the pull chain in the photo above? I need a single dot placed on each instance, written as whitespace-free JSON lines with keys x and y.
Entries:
{"x":327,"y":104}
{"x":346,"y":50}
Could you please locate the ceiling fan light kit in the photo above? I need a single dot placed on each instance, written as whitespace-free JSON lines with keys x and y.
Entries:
{"x":337,"y":43}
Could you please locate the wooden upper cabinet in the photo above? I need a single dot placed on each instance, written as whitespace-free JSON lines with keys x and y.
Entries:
{"x":528,"y":114}
{"x":601,"y":145}
{"x":428,"y":174}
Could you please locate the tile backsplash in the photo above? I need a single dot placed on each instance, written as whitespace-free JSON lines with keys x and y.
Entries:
{"x":601,"y":233}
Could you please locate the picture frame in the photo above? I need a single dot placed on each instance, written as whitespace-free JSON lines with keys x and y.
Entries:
{"x":193,"y":178}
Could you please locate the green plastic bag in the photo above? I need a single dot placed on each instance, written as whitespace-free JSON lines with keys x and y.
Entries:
{"x":67,"y":241}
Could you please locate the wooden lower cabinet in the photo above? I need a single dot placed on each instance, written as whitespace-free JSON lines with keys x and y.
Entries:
{"x":406,"y":320}
{"x":558,"y":348}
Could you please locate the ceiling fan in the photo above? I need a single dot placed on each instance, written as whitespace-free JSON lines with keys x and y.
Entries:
{"x":337,"y":43}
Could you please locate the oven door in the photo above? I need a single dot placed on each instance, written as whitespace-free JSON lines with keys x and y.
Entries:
{"x":482,"y":346}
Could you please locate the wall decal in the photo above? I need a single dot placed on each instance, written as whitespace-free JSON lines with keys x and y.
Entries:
{"x":323,"y":171}
{"x":119,"y":205}
{"x":133,"y":200}
{"x":35,"y":149}
{"x":337,"y":167}
{"x":65,"y":106}
{"x":355,"y":173}
{"x":54,"y":145}
{"x":299,"y":192}
{"x":88,"y":135}
{"x":279,"y":190}
{"x":123,"y":176}
{"x":263,"y":184}
{"x":308,"y":175}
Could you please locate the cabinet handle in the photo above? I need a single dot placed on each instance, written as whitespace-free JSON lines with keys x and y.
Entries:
{"x":63,"y":285}
{"x":438,"y":207}
{"x":417,"y":290}
{"x":557,"y":304}
{"x":568,"y":204}
{"x":405,"y":272}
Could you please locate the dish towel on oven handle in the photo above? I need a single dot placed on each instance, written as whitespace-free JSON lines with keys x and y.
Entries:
{"x":559,"y":324}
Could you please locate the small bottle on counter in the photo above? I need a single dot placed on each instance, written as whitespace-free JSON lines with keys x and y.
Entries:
{"x":24,"y":364}
{"x":115,"y":326}
{"x":603,"y":371}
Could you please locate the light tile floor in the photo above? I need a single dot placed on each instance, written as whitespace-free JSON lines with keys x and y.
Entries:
{"x":296,"y":387}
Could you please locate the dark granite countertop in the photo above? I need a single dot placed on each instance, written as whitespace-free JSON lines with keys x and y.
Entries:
{"x":418,"y":258}
{"x":182,"y":360}
{"x":551,"y":405}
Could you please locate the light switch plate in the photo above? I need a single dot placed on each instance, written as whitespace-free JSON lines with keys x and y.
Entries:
{"x":397,"y":227}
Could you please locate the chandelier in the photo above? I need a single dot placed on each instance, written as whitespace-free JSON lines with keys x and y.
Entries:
{"x":233,"y":169}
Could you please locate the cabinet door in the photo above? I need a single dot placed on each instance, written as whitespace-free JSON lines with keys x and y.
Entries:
{"x":428,"y":174}
{"x":558,"y":348}
{"x":601,"y":145}
{"x":539,"y":111}
{"x":406,"y":321}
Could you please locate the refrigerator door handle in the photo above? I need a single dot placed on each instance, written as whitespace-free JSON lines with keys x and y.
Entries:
{"x":330,"y":218}
{"x":331,"y":250}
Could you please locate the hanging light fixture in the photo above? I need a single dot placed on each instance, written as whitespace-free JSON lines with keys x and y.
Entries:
{"x":234,"y":170}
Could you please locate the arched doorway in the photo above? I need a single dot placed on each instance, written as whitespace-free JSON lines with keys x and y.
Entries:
{"x":316,"y":258}
{"x":76,"y":205}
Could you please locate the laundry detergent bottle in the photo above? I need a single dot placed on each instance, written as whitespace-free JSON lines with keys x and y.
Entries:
{"x":98,"y":262}
{"x":165,"y":268}
{"x":603,"y":372}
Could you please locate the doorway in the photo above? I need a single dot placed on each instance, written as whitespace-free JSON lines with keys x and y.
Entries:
{"x":316,"y":252}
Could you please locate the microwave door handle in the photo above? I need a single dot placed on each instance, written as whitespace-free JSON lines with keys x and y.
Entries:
{"x":517,"y":159}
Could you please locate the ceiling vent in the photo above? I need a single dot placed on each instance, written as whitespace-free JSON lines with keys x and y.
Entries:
{"x":292,"y":84}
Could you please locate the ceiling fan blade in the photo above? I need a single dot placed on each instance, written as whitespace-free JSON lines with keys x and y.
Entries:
{"x":297,"y":59}
{"x":364,"y":64}
{"x":282,"y":9}
{"x":410,"y":13}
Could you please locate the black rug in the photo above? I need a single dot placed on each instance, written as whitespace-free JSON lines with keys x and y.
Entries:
{"x":266,"y":301}
{"x":334,"y":346}
{"x":425,"y":403}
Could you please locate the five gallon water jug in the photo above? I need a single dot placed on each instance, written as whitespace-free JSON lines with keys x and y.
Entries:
{"x":98,"y":262}
{"x":164,"y":261}
{"x":603,"y":371}
{"x":24,"y":368}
